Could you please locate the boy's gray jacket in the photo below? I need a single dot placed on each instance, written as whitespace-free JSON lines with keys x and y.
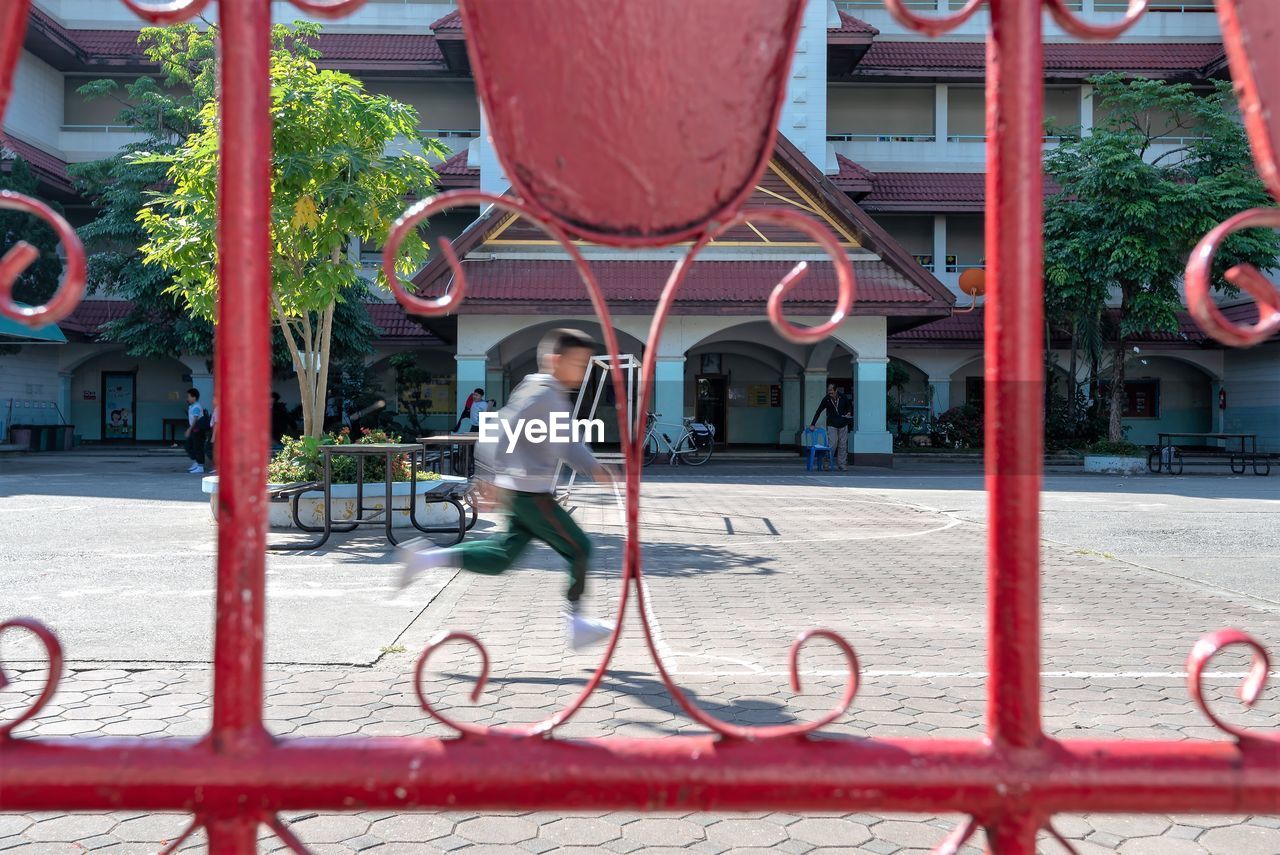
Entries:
{"x":530,"y":467}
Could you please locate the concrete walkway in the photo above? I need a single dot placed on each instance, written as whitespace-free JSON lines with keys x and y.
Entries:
{"x":737,"y":560}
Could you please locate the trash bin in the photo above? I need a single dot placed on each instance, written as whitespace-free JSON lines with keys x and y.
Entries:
{"x":47,"y":437}
{"x":21,"y":435}
{"x":65,"y":437}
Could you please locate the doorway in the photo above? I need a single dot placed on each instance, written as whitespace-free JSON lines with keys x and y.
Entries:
{"x":119,"y":406}
{"x":711,"y":404}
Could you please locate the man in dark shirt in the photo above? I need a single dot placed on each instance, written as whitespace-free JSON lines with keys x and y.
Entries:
{"x":839,"y":410}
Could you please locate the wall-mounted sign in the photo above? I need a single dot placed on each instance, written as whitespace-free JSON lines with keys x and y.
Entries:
{"x":89,"y":395}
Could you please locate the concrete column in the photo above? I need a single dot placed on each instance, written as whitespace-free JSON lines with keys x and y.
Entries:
{"x":471,"y":373}
{"x":791,"y":401}
{"x":872,"y":442}
{"x":491,"y":178}
{"x":668,"y":389}
{"x":1219,"y":415}
{"x":815,"y":388}
{"x":494,"y":381}
{"x":940,"y":246}
{"x":940,"y":401}
{"x":941,"y":120}
{"x":1086,"y":110}
{"x":64,"y":395}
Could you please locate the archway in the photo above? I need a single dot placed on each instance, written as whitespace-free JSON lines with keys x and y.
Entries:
{"x":147,"y":396}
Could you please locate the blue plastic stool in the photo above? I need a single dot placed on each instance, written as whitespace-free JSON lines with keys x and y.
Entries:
{"x":817,"y":450}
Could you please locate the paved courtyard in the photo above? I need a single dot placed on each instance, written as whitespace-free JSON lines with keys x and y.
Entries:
{"x":115,"y":553}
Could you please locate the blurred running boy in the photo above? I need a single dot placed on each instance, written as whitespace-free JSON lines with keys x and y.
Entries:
{"x":523,"y":473}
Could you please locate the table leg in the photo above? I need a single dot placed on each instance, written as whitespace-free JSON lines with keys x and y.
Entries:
{"x":388,"y":512}
{"x":359,"y":488}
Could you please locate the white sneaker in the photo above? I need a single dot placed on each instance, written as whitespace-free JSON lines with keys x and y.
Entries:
{"x":192,"y":467}
{"x":584,"y":632}
{"x":418,"y":556}
{"x":197,"y":469}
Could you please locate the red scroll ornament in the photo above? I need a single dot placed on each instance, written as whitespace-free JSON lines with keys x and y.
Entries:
{"x":1249,"y":30}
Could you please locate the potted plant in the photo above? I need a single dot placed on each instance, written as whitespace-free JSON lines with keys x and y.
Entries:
{"x":300,"y":460}
{"x":1115,"y":458}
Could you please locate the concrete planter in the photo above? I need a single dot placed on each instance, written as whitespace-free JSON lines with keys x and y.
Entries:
{"x":1115,"y":465}
{"x":311,"y":505}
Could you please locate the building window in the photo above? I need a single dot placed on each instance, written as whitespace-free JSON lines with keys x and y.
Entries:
{"x":973,"y":389}
{"x":1142,"y":399}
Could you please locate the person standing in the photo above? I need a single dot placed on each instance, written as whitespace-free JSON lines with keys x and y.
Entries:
{"x":279,"y":418}
{"x":524,"y":477}
{"x":839,"y":411}
{"x":197,"y":431}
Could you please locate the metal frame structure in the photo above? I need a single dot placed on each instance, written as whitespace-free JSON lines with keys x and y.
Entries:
{"x":1010,"y":783}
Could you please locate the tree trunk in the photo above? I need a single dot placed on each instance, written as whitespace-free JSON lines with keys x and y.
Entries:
{"x":1115,"y":430}
{"x":1072,"y":384}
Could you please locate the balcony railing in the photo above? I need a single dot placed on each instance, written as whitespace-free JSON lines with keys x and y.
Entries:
{"x":102,"y":129}
{"x":882,"y":138}
{"x":436,"y":133}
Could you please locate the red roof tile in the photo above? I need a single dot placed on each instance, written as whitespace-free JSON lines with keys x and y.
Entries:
{"x":90,"y":316}
{"x":556,"y":281}
{"x":971,"y":56}
{"x":968,"y":327}
{"x":933,"y":191}
{"x":852,"y":177}
{"x":850,"y":24}
{"x":394,"y":324}
{"x":45,"y":165}
{"x":450,"y":23}
{"x":454,"y":172}
{"x":348,"y":49}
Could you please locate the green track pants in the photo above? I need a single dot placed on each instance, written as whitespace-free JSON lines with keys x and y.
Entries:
{"x":532,"y":516}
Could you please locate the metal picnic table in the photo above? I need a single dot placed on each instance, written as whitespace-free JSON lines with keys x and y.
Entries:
{"x":1169,"y":457}
{"x":463,"y":460}
{"x":385,"y":514}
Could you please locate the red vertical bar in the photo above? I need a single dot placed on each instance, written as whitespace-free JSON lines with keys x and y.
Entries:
{"x":1014,"y":369}
{"x":232,"y":835}
{"x":242,"y":365}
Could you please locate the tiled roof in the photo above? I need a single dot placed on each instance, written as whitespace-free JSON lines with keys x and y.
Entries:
{"x":852,"y":177}
{"x":351,"y":50}
{"x":89,"y":317}
{"x":42,"y":163}
{"x":454,"y":172}
{"x":971,"y":56}
{"x":394,"y":324}
{"x":933,"y":191}
{"x":516,"y":283}
{"x":451,"y":23}
{"x":850,"y":24}
{"x":968,"y":327}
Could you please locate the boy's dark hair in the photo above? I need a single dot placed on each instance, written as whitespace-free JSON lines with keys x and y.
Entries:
{"x":477,"y":391}
{"x":194,"y":392}
{"x":275,"y":396}
{"x":559,"y":340}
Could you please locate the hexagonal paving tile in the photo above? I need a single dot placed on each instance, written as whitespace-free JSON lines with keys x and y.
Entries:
{"x":829,"y":832}
{"x":329,"y":829}
{"x":735,"y":833}
{"x":152,"y":829}
{"x":662,"y":832}
{"x":496,"y":829}
{"x":575,"y":831}
{"x":69,"y":829}
{"x":1241,"y":840}
{"x":413,"y":827}
{"x":1130,"y":825}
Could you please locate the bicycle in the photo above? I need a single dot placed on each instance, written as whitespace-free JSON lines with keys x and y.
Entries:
{"x":693,"y":446}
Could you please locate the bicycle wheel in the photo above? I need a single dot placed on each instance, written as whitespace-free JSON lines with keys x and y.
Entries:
{"x":692,"y":453}
{"x":650,"y":449}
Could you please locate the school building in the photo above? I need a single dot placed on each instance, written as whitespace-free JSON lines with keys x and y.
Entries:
{"x":882,"y":139}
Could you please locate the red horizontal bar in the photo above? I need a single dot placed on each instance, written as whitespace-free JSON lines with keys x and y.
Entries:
{"x":677,"y":773}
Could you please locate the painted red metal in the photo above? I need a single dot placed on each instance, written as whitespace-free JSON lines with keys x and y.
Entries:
{"x":1010,"y":784}
{"x":617,"y":145}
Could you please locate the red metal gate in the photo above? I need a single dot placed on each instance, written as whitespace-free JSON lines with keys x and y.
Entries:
{"x":1010,"y":783}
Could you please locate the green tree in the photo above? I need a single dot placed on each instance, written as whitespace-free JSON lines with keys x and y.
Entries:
{"x":1163,"y":165}
{"x":38,"y":282}
{"x":343,"y":165}
{"x":165,"y":110}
